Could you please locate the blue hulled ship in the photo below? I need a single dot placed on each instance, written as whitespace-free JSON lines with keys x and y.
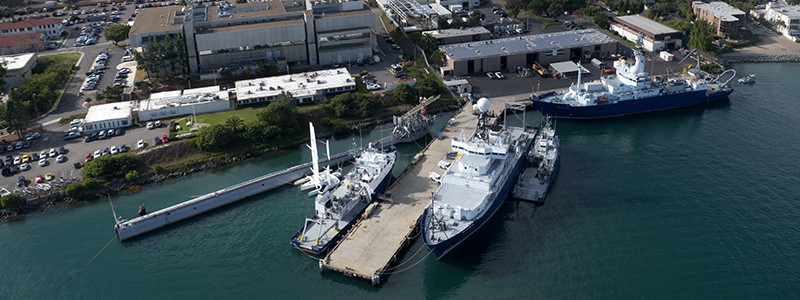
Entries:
{"x":632,"y":91}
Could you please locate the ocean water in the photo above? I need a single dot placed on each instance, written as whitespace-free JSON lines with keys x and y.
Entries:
{"x":699,"y":202}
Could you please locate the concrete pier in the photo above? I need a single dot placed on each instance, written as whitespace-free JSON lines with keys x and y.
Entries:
{"x":182,"y":211}
{"x":375,"y":241}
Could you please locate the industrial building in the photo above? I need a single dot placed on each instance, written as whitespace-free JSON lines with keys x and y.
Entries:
{"x":465,"y":4}
{"x":304,"y":87}
{"x":187,"y":102}
{"x":288,"y":33}
{"x":109,"y":116}
{"x":523,"y":51}
{"x":651,"y":35}
{"x":17,"y":67}
{"x":725,"y":19}
{"x":462,"y":35}
{"x":790,"y":15}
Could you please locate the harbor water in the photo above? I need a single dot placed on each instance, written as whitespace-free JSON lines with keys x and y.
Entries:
{"x":699,"y":202}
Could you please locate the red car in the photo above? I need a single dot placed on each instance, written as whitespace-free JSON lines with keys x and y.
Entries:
{"x":38,"y":179}
{"x":164,"y":139}
{"x":88,"y":157}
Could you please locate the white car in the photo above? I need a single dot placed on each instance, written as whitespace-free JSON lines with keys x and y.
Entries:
{"x":24,"y":167}
{"x":140,"y":144}
{"x":499,"y":75}
{"x":61,"y":158}
{"x":17,"y":160}
{"x":97,"y":153}
{"x":53,"y":152}
{"x":42,"y":162}
{"x":150,"y":125}
{"x":114,"y":150}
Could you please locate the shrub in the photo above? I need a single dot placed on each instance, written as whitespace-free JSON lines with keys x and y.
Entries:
{"x":11,"y":200}
{"x":108,"y":167}
{"x":77,"y":188}
{"x":132,"y":176}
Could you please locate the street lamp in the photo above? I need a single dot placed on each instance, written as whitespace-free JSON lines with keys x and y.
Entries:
{"x":34,"y":104}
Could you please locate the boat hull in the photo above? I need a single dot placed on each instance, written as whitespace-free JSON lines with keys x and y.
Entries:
{"x":627,"y":107}
{"x":321,"y":248}
{"x":440,"y":249}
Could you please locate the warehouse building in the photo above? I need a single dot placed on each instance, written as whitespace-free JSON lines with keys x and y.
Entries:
{"x":725,"y":19}
{"x":187,"y":102}
{"x":462,"y":35}
{"x":109,"y":116}
{"x":288,"y":33}
{"x":651,"y":35}
{"x":305,"y":87}
{"x":523,"y":51}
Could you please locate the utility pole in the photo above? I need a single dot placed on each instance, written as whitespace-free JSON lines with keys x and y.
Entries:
{"x":33,"y":99}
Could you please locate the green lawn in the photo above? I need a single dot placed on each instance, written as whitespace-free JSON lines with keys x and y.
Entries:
{"x":65,"y":60}
{"x":248,"y":114}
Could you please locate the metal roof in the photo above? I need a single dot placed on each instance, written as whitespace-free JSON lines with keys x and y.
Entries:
{"x":525,"y":44}
{"x":300,"y":85}
{"x":646,"y":24}
{"x":456,"y":32}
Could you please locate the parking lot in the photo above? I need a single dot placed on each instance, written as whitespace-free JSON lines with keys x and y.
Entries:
{"x":76,"y":150}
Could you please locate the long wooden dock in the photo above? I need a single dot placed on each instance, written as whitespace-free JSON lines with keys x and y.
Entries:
{"x":376,"y":240}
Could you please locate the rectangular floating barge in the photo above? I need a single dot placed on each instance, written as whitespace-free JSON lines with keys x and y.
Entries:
{"x":375,"y":241}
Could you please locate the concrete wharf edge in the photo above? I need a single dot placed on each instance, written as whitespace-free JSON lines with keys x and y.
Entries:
{"x":182,"y":211}
{"x":374,"y":242}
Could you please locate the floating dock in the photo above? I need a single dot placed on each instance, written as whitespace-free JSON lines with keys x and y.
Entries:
{"x":135,"y":227}
{"x":375,"y":241}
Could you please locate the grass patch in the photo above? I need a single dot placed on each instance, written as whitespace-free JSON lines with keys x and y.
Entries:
{"x":64,"y":60}
{"x":139,"y":75}
{"x":548,"y":23}
{"x":248,"y":114}
{"x":67,"y":119}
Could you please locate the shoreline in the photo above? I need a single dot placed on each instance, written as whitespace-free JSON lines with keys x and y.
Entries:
{"x":759,"y":58}
{"x":119,"y":186}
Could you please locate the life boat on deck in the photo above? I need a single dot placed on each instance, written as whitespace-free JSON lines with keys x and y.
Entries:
{"x":602,"y":99}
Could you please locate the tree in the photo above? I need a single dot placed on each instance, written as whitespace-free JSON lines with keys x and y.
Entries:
{"x":538,"y":6}
{"x":442,"y":23}
{"x":592,"y":10}
{"x":11,"y":200}
{"x":110,"y":167}
{"x":428,"y":43}
{"x":213,"y":138}
{"x":601,"y":20}
{"x":117,"y":33}
{"x":267,"y":69}
{"x":234,"y":122}
{"x":437,"y":57}
{"x":555,"y":9}
{"x":287,"y":99}
{"x":15,"y":116}
{"x":2,"y":77}
{"x":404,"y":93}
{"x":702,"y":35}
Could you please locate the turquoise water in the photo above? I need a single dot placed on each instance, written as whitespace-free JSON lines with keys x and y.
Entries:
{"x":692,"y":203}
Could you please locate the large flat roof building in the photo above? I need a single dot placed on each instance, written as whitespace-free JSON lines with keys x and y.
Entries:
{"x":304,"y":87}
{"x":652,"y":35}
{"x":179,"y":103}
{"x":288,"y":33}
{"x":790,"y":15}
{"x":109,"y":116}
{"x":523,"y":51}
{"x":725,"y":18}
{"x":460,"y":35}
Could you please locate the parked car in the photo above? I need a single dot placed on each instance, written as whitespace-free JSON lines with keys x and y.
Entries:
{"x":38,"y":178}
{"x":43,"y":162}
{"x":164,"y":139}
{"x":88,"y":157}
{"x":140,"y":144}
{"x":53,"y":152}
{"x":48,"y":176}
{"x":61,"y":158}
{"x":24,"y":167}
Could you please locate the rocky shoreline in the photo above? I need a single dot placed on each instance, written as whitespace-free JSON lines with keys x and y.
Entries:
{"x":119,"y":186}
{"x":766,"y":58}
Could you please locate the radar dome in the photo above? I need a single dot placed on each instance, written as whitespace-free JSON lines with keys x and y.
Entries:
{"x":482,"y":105}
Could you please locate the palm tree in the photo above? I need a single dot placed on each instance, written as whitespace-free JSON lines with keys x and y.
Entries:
{"x":234,"y":122}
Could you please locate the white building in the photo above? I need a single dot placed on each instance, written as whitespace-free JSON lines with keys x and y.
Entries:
{"x":652,"y":35}
{"x":17,"y":67}
{"x":464,"y":4}
{"x":50,"y":28}
{"x":790,"y":15}
{"x":178,"y":103}
{"x":309,"y":86}
{"x":109,"y":116}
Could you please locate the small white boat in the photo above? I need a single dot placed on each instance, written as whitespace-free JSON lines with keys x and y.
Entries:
{"x":747,"y":79}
